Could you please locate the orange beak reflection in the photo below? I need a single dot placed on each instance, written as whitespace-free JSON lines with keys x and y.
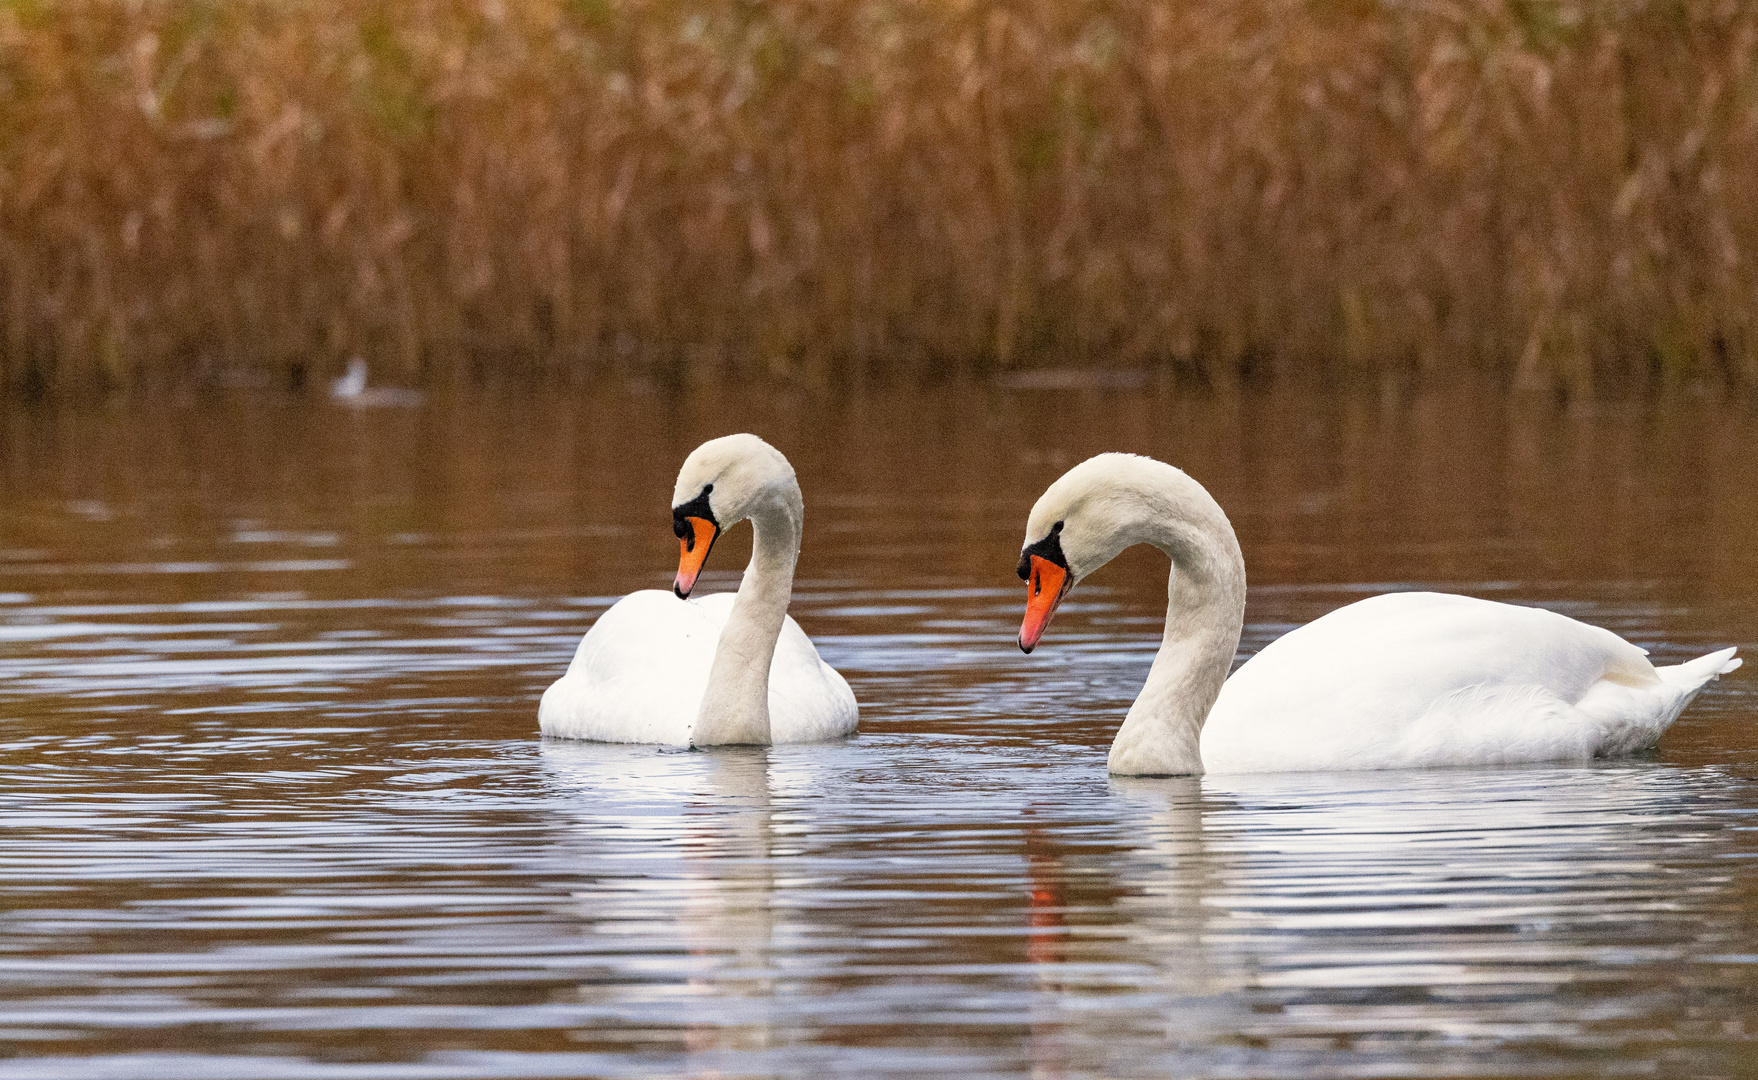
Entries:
{"x":693,"y":552}
{"x":1045,"y":587}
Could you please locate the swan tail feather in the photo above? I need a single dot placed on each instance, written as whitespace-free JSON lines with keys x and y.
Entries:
{"x":1693,"y":675}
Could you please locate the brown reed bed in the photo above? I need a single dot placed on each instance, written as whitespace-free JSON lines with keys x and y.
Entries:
{"x":832,"y":188}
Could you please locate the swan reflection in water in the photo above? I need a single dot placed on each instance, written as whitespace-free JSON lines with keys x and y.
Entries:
{"x":702,"y":909}
{"x":1474,"y":910}
{"x":745,"y":915}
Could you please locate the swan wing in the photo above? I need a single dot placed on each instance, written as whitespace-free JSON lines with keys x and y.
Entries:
{"x":809,"y":701}
{"x":639,"y":673}
{"x":641,"y":670}
{"x":1410,"y":680}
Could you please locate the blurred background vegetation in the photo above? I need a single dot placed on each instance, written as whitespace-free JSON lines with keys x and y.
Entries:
{"x":202,"y":190}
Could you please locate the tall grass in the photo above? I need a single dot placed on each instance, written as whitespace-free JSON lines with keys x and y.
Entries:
{"x":1566,"y":190}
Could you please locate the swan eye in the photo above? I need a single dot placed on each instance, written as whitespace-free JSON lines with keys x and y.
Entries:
{"x":697,"y":509}
{"x":1049,"y":549}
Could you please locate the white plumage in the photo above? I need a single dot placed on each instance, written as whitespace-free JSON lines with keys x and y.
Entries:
{"x":641,"y":671}
{"x":1418,"y":679}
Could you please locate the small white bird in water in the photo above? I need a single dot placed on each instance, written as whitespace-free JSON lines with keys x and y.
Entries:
{"x":720,"y":669}
{"x":351,"y":389}
{"x":1404,"y":680}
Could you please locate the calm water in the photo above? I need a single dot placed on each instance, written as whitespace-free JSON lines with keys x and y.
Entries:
{"x":274,"y":804}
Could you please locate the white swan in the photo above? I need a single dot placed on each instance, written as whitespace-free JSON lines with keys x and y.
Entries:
{"x":1403,"y":680}
{"x":657,"y":668}
{"x":351,"y":389}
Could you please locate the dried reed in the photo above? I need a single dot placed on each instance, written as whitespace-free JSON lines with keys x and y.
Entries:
{"x":1566,"y":190}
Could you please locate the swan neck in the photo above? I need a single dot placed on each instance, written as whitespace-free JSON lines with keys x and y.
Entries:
{"x":1205,"y":612}
{"x":735,"y":706}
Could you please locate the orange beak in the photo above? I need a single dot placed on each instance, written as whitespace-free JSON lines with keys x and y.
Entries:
{"x":1045,"y":588}
{"x":693,"y":551}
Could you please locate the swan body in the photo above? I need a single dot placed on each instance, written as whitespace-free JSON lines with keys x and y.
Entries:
{"x":1409,"y":680}
{"x":720,"y":669}
{"x":642,"y":670}
{"x":1403,"y":680}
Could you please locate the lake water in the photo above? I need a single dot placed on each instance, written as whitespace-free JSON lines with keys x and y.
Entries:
{"x":274,"y":805}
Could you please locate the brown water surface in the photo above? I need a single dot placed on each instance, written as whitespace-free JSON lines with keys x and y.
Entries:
{"x":274,"y":803}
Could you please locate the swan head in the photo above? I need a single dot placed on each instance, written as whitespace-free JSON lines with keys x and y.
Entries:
{"x":1083,"y":521}
{"x":723,"y":482}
